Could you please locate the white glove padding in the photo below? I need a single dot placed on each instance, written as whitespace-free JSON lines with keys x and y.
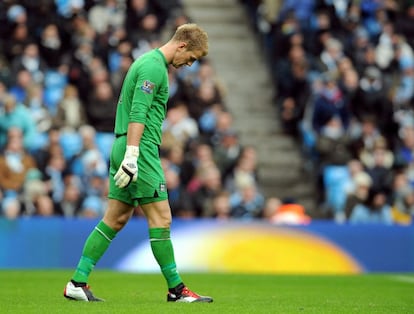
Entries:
{"x":128,"y":171}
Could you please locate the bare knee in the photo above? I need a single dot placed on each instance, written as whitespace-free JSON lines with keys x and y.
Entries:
{"x":162,"y":222}
{"x":158,"y":214}
{"x":159,"y":220}
{"x":117,"y":223}
{"x":117,"y":214}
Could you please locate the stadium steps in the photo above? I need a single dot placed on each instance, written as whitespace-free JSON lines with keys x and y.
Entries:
{"x":239,"y":63}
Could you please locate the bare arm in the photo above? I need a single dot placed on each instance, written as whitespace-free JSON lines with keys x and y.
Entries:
{"x":135,"y":131}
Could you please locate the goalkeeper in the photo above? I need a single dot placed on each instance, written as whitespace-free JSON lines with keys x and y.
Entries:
{"x":136,"y":176}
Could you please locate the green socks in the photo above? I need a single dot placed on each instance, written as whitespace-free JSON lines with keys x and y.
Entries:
{"x":95,"y":246}
{"x":164,"y":254}
{"x":100,"y":238}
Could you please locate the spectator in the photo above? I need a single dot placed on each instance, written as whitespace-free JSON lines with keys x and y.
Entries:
{"x":371,"y":99}
{"x":177,"y":89}
{"x":210,"y":185}
{"x":70,"y":113}
{"x":53,"y":147}
{"x":330,"y":56}
{"x":400,"y":184}
{"x":329,"y":103}
{"x":100,"y":110}
{"x":293,"y":89}
{"x":119,"y":61}
{"x":143,"y":19}
{"x":404,"y":151}
{"x":227,"y":152}
{"x":205,"y":96}
{"x":70,"y":205}
{"x":221,"y":207}
{"x":32,"y":61}
{"x":51,"y":46}
{"x":362,"y":183}
{"x":15,"y":162}
{"x":23,"y":79}
{"x":405,"y":22}
{"x":5,"y":74}
{"x":180,"y":125}
{"x":79,"y":72}
{"x":106,"y":18}
{"x":37,"y":109}
{"x":281,"y":40}
{"x":246,"y":165}
{"x":55,"y":167}
{"x":93,"y":206}
{"x":379,"y":163}
{"x":270,"y":208}
{"x":207,"y":123}
{"x":33,"y":188}
{"x":199,"y":157}
{"x":89,"y":161}
{"x":206,"y":73}
{"x":374,"y":210}
{"x":68,"y":59}
{"x":19,"y":37}
{"x":355,"y":167}
{"x":385,"y":49}
{"x":403,"y":207}
{"x":366,"y":50}
{"x":44,"y":206}
{"x":11,"y":207}
{"x":223,"y":125}
{"x":365,"y":135}
{"x":348,"y":83}
{"x":180,"y":200}
{"x":333,"y":144}
{"x":16,"y":115}
{"x":359,"y":46}
{"x":246,"y":201}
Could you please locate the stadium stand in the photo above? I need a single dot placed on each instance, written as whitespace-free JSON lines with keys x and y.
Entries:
{"x":317,"y":74}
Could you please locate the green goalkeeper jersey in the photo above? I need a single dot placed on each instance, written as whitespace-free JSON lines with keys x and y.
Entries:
{"x":144,"y":96}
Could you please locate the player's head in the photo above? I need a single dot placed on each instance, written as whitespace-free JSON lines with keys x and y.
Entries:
{"x":192,"y":44}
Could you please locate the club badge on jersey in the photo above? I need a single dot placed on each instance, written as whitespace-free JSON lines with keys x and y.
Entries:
{"x":147,"y":87}
{"x":163,"y":187}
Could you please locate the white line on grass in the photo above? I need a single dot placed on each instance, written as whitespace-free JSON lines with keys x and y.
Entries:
{"x":409,"y":279}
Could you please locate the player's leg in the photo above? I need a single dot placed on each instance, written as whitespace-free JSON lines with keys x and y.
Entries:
{"x":117,"y":214}
{"x":115,"y":218}
{"x":158,"y":214}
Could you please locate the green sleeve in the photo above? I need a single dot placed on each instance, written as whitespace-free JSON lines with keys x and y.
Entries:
{"x":150,"y":76}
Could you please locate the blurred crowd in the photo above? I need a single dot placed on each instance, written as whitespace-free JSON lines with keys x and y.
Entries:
{"x":61,"y":68}
{"x":343,"y":73}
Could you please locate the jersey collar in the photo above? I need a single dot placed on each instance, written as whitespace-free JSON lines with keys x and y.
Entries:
{"x":162,"y":55}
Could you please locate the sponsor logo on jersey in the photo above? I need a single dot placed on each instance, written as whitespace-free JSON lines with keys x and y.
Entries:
{"x":147,"y":87}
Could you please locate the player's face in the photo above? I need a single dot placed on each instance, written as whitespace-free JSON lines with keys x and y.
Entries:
{"x":185,"y":57}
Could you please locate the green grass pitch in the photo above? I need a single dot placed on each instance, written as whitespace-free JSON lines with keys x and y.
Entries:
{"x":40,"y":291}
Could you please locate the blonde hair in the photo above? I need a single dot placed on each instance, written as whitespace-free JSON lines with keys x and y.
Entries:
{"x":195,"y":37}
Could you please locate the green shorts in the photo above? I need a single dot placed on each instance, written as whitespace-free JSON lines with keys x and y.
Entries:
{"x":150,"y":186}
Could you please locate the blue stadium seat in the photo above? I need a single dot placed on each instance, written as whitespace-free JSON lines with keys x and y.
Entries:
{"x":71,"y":143}
{"x":55,"y":83}
{"x":104,"y":141}
{"x":39,"y":141}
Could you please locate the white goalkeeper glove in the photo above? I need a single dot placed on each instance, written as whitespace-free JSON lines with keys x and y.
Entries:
{"x":128,"y":171}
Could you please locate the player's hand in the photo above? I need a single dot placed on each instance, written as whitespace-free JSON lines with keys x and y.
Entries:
{"x":128,"y":171}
